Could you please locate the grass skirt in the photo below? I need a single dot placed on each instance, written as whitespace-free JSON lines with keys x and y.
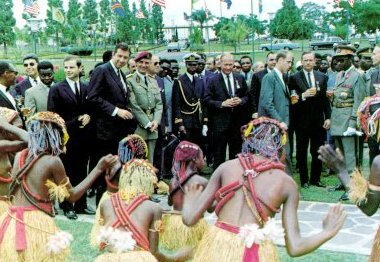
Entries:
{"x":4,"y":204}
{"x":375,"y":253}
{"x":36,"y":223}
{"x":99,"y":221}
{"x":223,"y":246}
{"x":133,"y":256}
{"x":176,"y":235}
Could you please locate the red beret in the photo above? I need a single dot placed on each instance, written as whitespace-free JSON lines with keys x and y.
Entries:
{"x":142,"y":55}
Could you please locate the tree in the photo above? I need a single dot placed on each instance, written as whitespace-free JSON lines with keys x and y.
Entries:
{"x":7,"y":22}
{"x":366,"y":16}
{"x":146,"y":26}
{"x":157,"y":21}
{"x":74,"y":30}
{"x":234,"y":31}
{"x":200,"y":17}
{"x":104,"y":18}
{"x":124,"y":25}
{"x":219,"y":26}
{"x":286,"y":23}
{"x":340,"y":19}
{"x":53,"y":27}
{"x":90,"y":13}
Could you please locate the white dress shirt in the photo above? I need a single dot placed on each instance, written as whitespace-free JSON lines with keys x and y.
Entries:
{"x":280,"y":75}
{"x":231,"y":78}
{"x":72,"y":85}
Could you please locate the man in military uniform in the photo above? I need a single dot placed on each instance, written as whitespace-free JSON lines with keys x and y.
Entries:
{"x":145,"y":100}
{"x":188,"y":113}
{"x":349,"y":92}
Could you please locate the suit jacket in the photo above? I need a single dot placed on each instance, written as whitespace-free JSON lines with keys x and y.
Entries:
{"x":374,"y":78}
{"x":36,"y":98}
{"x":185,"y":95}
{"x":21,"y":87}
{"x":249,"y":78}
{"x":312,"y":111}
{"x":256,"y":82}
{"x":164,"y":118}
{"x":349,"y":92}
{"x":62,"y":100}
{"x":146,"y":104}
{"x":274,"y":98}
{"x":4,"y":102}
{"x":106,"y":92}
{"x":217,"y":92}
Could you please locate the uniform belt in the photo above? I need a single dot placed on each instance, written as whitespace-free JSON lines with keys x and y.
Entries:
{"x":149,"y":111}
{"x":342,"y":105}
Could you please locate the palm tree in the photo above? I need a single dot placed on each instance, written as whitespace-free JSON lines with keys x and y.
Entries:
{"x":201,"y":17}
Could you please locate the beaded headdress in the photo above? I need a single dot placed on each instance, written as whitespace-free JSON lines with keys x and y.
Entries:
{"x":184,"y":152}
{"x":132,"y":146}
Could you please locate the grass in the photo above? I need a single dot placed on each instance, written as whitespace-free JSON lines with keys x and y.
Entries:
{"x":81,"y":251}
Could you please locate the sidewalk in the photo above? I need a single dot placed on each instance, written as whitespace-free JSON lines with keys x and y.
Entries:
{"x":356,"y":236}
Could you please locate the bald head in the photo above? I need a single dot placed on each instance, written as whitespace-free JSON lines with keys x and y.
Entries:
{"x":227,"y":63}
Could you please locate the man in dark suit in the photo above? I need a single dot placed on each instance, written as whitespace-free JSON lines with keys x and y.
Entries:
{"x":68,"y":99}
{"x":189,"y":118}
{"x":8,"y":75}
{"x":226,"y":98}
{"x":108,"y":98}
{"x":275,"y":98}
{"x":257,"y":79}
{"x":30,"y":64}
{"x":311,"y":117}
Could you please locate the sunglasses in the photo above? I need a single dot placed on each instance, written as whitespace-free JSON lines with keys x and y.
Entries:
{"x":237,"y":67}
{"x":192,"y":64}
{"x":165,"y":68}
{"x":246,"y":63}
{"x":156,"y":63}
{"x":30,"y":64}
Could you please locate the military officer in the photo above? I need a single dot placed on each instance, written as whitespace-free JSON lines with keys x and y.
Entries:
{"x":349,"y":92}
{"x":145,"y":100}
{"x":189,"y":117}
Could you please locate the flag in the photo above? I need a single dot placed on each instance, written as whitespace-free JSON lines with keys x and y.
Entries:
{"x":31,"y":8}
{"x":337,"y":2}
{"x":228,"y":2}
{"x":351,"y":2}
{"x":139,"y":15}
{"x":159,"y":2}
{"x":206,"y":9}
{"x":260,"y":6}
{"x":117,"y":8}
{"x":57,"y":15}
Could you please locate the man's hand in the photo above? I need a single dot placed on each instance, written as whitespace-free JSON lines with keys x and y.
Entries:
{"x":154,"y":126}
{"x":284,"y":125}
{"x":332,"y":158}
{"x":334,"y":220}
{"x":327,"y":123}
{"x":228,"y":102}
{"x":204,"y":130}
{"x":124,"y":114}
{"x":255,"y":115}
{"x":310,"y":92}
{"x":106,"y":162}
{"x":193,"y":191}
{"x":85,"y":119}
{"x":182,"y":129}
{"x":236,"y":101}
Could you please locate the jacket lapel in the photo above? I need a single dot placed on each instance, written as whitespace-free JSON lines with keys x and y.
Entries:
{"x":68,"y":91}
{"x":223,"y":84}
{"x":7,"y":100}
{"x":284,"y":87}
{"x":116,"y":78}
{"x":304,"y":80}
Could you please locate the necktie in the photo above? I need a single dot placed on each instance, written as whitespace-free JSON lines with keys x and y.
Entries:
{"x":77,"y":94}
{"x":309,"y":79}
{"x":245,"y":76}
{"x":146,"y":81}
{"x":229,"y":85}
{"x":118,"y":73}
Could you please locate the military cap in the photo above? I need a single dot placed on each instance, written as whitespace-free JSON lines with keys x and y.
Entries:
{"x":201,"y":61}
{"x":142,"y":55}
{"x":192,"y":57}
{"x":365,"y":52}
{"x":344,"y":50}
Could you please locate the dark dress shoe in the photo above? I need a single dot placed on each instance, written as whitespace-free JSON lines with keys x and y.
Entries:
{"x":86,"y":211}
{"x":318,"y":184}
{"x":70,"y":214}
{"x":344,"y":197}
{"x":305,"y":185}
{"x":336,"y":188}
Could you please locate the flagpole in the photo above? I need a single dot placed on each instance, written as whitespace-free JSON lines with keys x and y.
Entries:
{"x":253,"y":34}
{"x":221,"y":16}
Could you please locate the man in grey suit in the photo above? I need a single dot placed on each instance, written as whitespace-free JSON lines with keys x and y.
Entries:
{"x":275,"y":98}
{"x":36,"y":97}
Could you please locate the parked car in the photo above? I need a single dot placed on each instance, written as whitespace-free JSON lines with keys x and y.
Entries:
{"x":327,"y":42}
{"x":279,"y":44}
{"x":173,"y":47}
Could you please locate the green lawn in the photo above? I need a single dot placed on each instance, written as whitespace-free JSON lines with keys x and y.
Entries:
{"x":81,"y":251}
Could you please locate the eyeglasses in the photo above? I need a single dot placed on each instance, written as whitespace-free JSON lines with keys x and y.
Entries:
{"x":192,"y":64}
{"x":237,"y":67}
{"x":156,"y":63}
{"x":165,"y":68}
{"x":246,"y":63}
{"x":30,"y":64}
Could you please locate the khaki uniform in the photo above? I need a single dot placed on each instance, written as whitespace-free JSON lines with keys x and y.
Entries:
{"x":146,"y":105}
{"x":349,"y":92}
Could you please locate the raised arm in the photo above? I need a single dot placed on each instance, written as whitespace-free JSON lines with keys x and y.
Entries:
{"x":198,"y":199}
{"x":13,"y":139}
{"x":297,"y":245}
{"x":335,"y":160}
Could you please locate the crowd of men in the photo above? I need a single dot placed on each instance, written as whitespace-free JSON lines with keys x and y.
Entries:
{"x":316,"y":99}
